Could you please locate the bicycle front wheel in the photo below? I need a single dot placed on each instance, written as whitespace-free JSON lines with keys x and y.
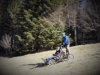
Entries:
{"x":51,"y":62}
{"x":70,"y":56}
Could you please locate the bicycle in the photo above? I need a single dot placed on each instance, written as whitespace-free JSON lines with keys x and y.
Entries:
{"x":56,"y":59}
{"x":68,"y":56}
{"x":61,"y":58}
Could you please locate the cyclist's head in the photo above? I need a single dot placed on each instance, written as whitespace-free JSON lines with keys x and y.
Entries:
{"x":63,"y":34}
{"x":58,"y":48}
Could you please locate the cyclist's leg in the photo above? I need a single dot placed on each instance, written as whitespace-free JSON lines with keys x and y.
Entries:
{"x":67,"y":49}
{"x":51,"y":57}
{"x":47,"y":59}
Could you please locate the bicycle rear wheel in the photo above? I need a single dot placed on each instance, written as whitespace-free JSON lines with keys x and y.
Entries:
{"x":70,"y":56}
{"x":51,"y":62}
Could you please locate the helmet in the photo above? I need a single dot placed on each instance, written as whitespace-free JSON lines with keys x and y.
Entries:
{"x":57,"y":49}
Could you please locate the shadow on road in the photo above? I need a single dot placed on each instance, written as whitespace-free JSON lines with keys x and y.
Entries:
{"x":37,"y":65}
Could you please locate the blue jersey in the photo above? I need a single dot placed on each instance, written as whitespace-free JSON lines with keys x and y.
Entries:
{"x":65,"y":40}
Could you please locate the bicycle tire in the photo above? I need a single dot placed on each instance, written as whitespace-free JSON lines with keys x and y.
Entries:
{"x":51,"y":62}
{"x":70,"y":56}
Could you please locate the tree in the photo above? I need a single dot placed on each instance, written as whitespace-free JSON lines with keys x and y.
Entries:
{"x":34,"y":32}
{"x":4,"y":17}
{"x":12,"y":10}
{"x":88,"y":19}
{"x":71,"y":18}
{"x":5,"y":42}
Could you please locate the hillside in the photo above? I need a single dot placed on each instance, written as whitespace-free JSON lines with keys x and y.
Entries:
{"x":86,"y":62}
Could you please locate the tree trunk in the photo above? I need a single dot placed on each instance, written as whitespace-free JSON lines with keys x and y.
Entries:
{"x":12,"y":39}
{"x":75,"y":33}
{"x":69,"y":23}
{"x":68,"y":16}
{"x":83,"y":41}
{"x":98,"y":35}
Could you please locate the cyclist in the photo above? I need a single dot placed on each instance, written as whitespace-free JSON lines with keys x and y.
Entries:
{"x":65,"y":42}
{"x":57,"y":54}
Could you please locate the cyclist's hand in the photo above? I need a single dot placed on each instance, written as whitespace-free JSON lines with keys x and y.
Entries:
{"x":62,"y":45}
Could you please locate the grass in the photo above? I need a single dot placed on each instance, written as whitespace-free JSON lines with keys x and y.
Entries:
{"x":86,"y":62}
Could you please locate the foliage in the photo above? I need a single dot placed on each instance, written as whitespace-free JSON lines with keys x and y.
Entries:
{"x":36,"y":25}
{"x":36,"y":32}
{"x":89,"y":18}
{"x":13,"y":9}
{"x":5,"y":42}
{"x":4,"y":18}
